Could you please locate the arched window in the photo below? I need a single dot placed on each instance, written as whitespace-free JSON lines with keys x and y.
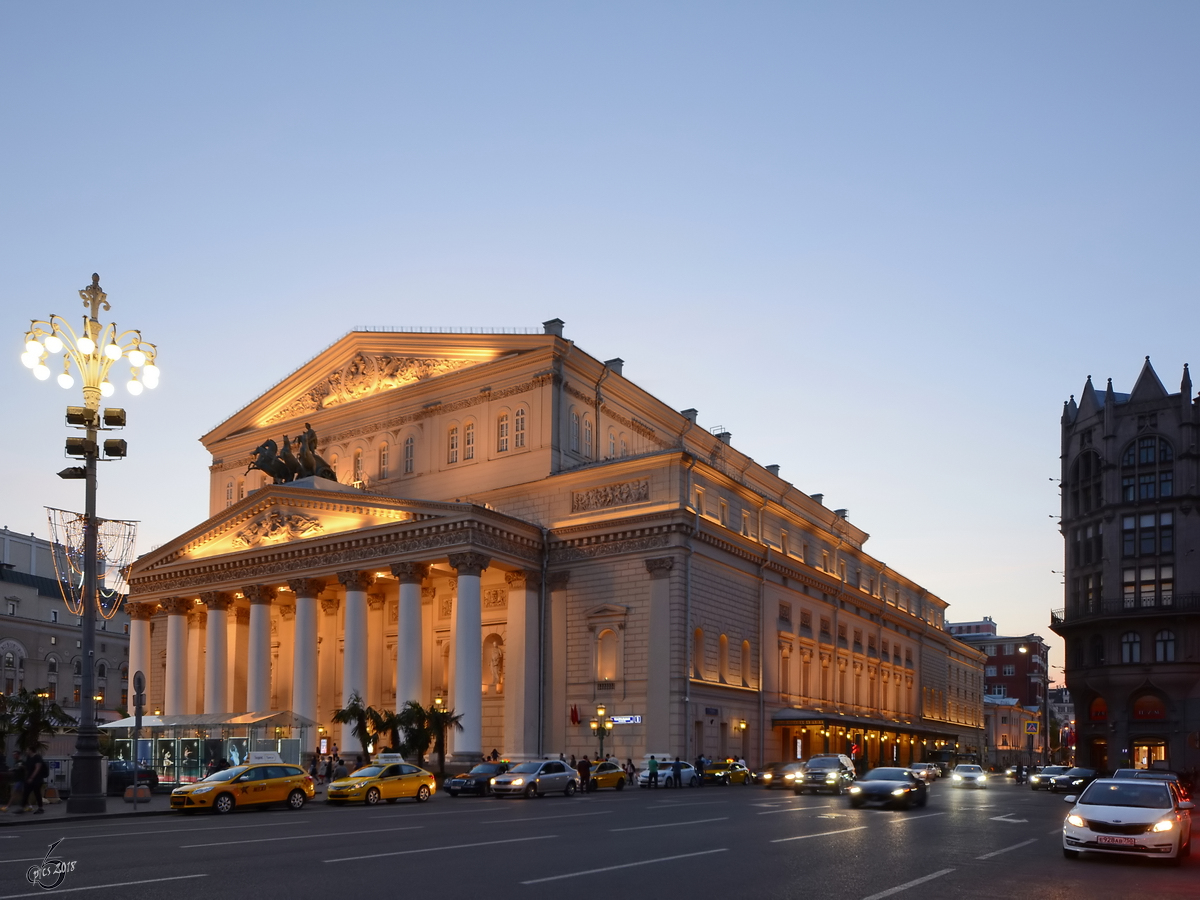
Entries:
{"x":606,"y":656}
{"x":358,"y":469}
{"x":383,"y":461}
{"x":698,"y":653}
{"x":229,"y":493}
{"x":624,"y":446}
{"x":9,"y":661}
{"x":574,"y":431}
{"x":519,"y":429}
{"x":723,"y":659}
{"x":1131,"y":647}
{"x":469,"y":441}
{"x":241,"y":490}
{"x":410,"y":453}
{"x":52,"y":666}
{"x":1149,"y":707}
{"x":745,"y":664}
{"x":587,"y":436}
{"x":1097,"y":650}
{"x":1164,"y":646}
{"x":502,"y":433}
{"x":101,"y":671}
{"x":452,"y":444}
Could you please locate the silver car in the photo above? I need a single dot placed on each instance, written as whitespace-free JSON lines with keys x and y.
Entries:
{"x":666,"y":775}
{"x":536,"y":779}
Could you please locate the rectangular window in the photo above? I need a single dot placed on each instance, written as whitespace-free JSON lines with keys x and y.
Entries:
{"x":12,"y":608}
{"x":1166,"y":533}
{"x":824,"y":561}
{"x":1147,"y":537}
{"x":1166,"y":484}
{"x":54,"y":615}
{"x":1009,"y":649}
{"x":1010,"y":669}
{"x":746,"y":524}
{"x":519,"y":430}
{"x":1146,"y":487}
{"x":783,"y":544}
{"x":574,"y":432}
{"x":858,"y":640}
{"x":410,"y":448}
{"x":989,"y":671}
{"x":825,"y":627}
{"x":502,"y":434}
{"x":723,"y":513}
{"x":1128,"y":488}
{"x":1129,"y":587}
{"x":1147,"y":449}
{"x":1166,"y":585}
{"x":1128,"y":536}
{"x":806,"y":619}
{"x":383,"y":461}
{"x":1087,"y":547}
{"x":452,"y":451}
{"x":1146,"y":580}
{"x":469,"y":441}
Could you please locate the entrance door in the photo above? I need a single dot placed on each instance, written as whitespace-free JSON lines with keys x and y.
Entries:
{"x":1099,"y":754}
{"x":1150,"y":754}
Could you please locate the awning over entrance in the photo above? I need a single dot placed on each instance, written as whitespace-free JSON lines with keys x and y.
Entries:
{"x":272,"y":719}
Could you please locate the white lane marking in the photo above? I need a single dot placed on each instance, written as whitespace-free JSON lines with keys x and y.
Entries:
{"x":100,"y":887}
{"x":794,"y":809}
{"x":1005,"y":818}
{"x":1006,"y":849}
{"x":301,"y":837}
{"x":602,"y":812}
{"x":677,"y":804}
{"x":670,"y":824}
{"x":802,"y":837}
{"x":908,"y":884}
{"x":540,"y":837}
{"x":1056,"y":832}
{"x":914,"y":818}
{"x":170,"y":831}
{"x":643,"y":862}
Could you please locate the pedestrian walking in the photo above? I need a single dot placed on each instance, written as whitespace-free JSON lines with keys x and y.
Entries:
{"x":700,"y":768}
{"x":312,"y":771}
{"x":677,"y":772}
{"x":17,"y":779}
{"x":327,"y":772}
{"x":34,"y":779}
{"x":574,"y":764}
{"x":630,"y":771}
{"x":584,"y":768}
{"x":339,"y":771}
{"x":652,"y":768}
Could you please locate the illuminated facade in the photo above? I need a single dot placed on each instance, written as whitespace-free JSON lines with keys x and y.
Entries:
{"x":1130,"y":470}
{"x":519,"y":530}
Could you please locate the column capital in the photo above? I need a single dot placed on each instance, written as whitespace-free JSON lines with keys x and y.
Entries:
{"x":427,"y":594}
{"x":660,"y":566}
{"x":198,"y":616}
{"x":524,"y":578}
{"x":216,"y":600}
{"x":375,"y":600}
{"x":329,"y":605}
{"x":306,"y":587}
{"x":140,"y":611}
{"x":287,"y":611}
{"x":410,"y":572}
{"x":469,"y":563}
{"x":177,"y":606}
{"x":557,"y":581}
{"x":355,"y":580}
{"x":259,"y":593}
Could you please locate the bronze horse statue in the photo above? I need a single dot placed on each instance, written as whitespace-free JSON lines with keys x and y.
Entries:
{"x":284,"y":465}
{"x":266,"y":459}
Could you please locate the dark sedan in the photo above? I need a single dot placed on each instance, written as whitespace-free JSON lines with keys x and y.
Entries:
{"x":778,"y":775}
{"x":889,"y":787}
{"x":823,"y":773}
{"x":1042,"y":779}
{"x":1073,"y":781}
{"x":120,"y":776}
{"x":477,"y":781}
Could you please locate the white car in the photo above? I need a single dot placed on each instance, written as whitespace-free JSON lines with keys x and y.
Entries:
{"x":927,"y":772}
{"x":1129,"y":818}
{"x":666,"y":771}
{"x":968,"y":776}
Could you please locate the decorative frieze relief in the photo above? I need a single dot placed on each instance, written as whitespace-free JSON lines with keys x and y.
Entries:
{"x":621,"y":493}
{"x":275,"y":527}
{"x":495,"y":598}
{"x":446,"y":608}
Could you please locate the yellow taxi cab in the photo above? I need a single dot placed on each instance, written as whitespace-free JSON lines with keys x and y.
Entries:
{"x":607,"y":775}
{"x":389,"y":778}
{"x":264,"y":779}
{"x":727,"y":772}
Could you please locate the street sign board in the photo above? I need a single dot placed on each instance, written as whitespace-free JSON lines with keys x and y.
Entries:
{"x":1032,"y":727}
{"x":626,"y":720}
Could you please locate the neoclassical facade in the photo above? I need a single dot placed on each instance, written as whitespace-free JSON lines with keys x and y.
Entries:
{"x":519,"y":530}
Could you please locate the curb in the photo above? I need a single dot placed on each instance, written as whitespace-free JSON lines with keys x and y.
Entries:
{"x":89,"y":817}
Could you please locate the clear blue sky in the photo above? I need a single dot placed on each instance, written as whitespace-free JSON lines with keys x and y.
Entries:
{"x":880,"y":243}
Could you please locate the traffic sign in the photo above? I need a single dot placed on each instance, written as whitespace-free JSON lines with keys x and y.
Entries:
{"x":139,"y":681}
{"x":1032,"y":727}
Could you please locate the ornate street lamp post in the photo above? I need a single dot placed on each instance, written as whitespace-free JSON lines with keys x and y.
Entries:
{"x":601,"y":727}
{"x":92,"y":351}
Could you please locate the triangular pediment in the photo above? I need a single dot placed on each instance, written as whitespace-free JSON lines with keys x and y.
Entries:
{"x":1148,"y":385}
{"x":365,"y":364}
{"x":288,"y":515}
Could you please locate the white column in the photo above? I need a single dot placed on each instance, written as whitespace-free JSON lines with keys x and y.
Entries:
{"x":354,"y":646}
{"x":521,"y":666}
{"x":139,"y":643}
{"x":216,"y":660}
{"x":376,"y":602}
{"x":197,"y":625}
{"x":468,"y":657}
{"x":409,"y":665}
{"x":258,"y":666}
{"x":304,"y":655}
{"x":555,"y":667}
{"x":175,"y":690}
{"x":328,"y":694}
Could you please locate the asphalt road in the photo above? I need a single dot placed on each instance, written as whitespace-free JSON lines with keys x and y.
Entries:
{"x":734,"y":841}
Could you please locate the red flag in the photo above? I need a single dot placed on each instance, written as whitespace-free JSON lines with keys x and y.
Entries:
{"x":574,"y":714}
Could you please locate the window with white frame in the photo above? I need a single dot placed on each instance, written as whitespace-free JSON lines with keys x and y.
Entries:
{"x":587,"y":436}
{"x":989,"y":671}
{"x":452,"y":445}
{"x":469,"y":441}
{"x":1010,"y":669}
{"x":229,"y":493}
{"x":1164,"y":646}
{"x":383,"y":460}
{"x":519,"y":428}
{"x":410,"y":454}
{"x":502,"y":433}
{"x":624,"y":447}
{"x":358,"y":467}
{"x":612,"y":444}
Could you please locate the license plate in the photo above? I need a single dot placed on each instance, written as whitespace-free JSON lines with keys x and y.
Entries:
{"x":1109,"y":839}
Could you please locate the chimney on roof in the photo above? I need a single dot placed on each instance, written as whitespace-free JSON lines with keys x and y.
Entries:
{"x":820,"y":498}
{"x":724,"y":436}
{"x":842,"y":513}
{"x":690,"y":414}
{"x":615,"y":365}
{"x":774,"y":469}
{"x":554,"y":327}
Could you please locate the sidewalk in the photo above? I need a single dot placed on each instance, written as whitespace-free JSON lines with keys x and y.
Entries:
{"x":158,"y":805}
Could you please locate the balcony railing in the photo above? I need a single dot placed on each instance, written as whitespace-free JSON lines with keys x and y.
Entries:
{"x":1122,"y":607}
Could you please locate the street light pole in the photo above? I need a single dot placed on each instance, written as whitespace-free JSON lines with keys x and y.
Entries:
{"x":601,"y":726}
{"x":93,"y":352}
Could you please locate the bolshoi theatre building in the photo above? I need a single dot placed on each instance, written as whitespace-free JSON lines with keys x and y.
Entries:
{"x":508,"y":526}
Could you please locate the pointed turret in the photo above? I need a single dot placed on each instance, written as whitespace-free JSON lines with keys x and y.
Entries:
{"x":1088,"y":404}
{"x":1185,"y":393}
{"x":1148,"y":387}
{"x":1110,"y":410}
{"x":1069,"y":411}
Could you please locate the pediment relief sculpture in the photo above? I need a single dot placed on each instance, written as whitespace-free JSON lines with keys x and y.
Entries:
{"x":275,"y":527}
{"x":362,"y":376}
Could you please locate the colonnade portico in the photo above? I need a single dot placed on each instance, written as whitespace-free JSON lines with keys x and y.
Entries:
{"x":301,"y":654}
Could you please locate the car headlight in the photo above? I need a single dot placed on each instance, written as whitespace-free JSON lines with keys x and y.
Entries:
{"x":956,"y":778}
{"x":788,"y":777}
{"x":517,"y":782}
{"x":856,"y":790}
{"x":1075,"y":820}
{"x":899,"y":792}
{"x":202,"y":790}
{"x":493,"y":781}
{"x":766,"y":776}
{"x":983,"y":778}
{"x":1164,"y":825}
{"x":831,"y":777}
{"x":1077,"y":781}
{"x":1035,"y":778}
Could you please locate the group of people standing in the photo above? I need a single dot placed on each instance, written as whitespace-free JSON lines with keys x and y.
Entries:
{"x":26,"y":778}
